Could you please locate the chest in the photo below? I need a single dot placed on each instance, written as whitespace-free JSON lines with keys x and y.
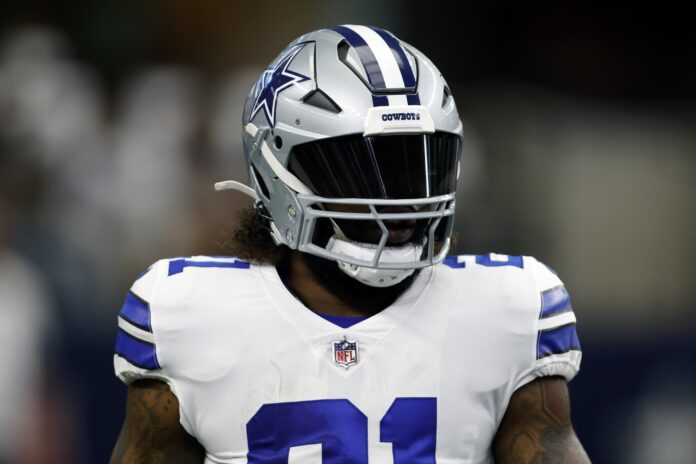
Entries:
{"x":416,"y":390}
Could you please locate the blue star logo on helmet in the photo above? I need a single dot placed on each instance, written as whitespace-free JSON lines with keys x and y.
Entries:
{"x":273,"y":81}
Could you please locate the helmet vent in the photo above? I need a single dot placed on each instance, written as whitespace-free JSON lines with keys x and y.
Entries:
{"x":352,"y":62}
{"x":319,"y":99}
{"x":343,"y":49}
{"x":446,"y":95}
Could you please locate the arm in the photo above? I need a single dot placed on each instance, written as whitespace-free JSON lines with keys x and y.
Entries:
{"x":536,"y":427}
{"x":151,"y":432}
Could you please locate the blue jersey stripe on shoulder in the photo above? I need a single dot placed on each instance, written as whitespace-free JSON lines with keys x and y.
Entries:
{"x":136,"y":311}
{"x":554,"y":300}
{"x":176,"y":266}
{"x":137,"y":352}
{"x":453,"y":262}
{"x":557,"y":340}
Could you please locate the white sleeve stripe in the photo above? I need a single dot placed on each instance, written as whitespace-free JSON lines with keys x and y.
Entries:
{"x":136,"y":332}
{"x":557,"y":321}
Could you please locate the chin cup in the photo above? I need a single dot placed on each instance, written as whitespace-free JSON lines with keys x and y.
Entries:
{"x":366,"y":251}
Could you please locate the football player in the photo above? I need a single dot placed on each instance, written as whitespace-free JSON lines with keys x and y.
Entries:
{"x":341,"y":333}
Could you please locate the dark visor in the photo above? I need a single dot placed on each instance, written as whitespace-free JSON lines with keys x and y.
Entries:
{"x":384,"y":167}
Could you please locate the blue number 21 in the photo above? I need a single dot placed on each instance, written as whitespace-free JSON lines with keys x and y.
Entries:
{"x":341,"y":429}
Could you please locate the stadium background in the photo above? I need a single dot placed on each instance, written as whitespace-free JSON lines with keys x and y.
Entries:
{"x":117,"y":116}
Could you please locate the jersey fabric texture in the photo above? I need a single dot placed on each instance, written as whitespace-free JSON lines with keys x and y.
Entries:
{"x":262,"y":379}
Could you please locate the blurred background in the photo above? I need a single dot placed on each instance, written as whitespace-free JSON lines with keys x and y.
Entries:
{"x":117,"y":116}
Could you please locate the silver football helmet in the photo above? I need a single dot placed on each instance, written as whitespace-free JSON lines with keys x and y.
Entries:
{"x":352,"y":140}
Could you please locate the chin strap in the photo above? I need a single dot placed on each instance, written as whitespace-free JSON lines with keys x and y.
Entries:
{"x":372,"y":276}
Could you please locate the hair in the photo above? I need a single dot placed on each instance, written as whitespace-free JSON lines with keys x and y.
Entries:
{"x":249,"y":240}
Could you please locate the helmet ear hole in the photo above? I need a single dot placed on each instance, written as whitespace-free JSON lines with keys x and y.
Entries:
{"x":343,"y":49}
{"x":278,"y":142}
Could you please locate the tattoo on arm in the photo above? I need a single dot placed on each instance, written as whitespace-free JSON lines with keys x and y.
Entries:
{"x":151,"y":433}
{"x":536,"y":428}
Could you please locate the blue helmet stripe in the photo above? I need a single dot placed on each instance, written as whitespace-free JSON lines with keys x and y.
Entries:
{"x":413,"y":99}
{"x":380,"y":100}
{"x":399,"y":55}
{"x":368,"y":59}
{"x":402,"y":60}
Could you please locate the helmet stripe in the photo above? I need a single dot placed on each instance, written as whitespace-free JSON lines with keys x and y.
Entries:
{"x":393,"y":77}
{"x":380,"y":100}
{"x":399,"y":56}
{"x":380,"y":52}
{"x":388,"y":65}
{"x":367,"y":57}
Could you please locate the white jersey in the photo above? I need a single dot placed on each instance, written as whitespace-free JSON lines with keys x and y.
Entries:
{"x":262,"y":379}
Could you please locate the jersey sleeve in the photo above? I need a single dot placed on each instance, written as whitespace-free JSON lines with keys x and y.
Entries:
{"x":558,"y":351}
{"x":135,"y":353}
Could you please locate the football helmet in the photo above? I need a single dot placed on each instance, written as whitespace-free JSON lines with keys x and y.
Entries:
{"x":352,"y":140}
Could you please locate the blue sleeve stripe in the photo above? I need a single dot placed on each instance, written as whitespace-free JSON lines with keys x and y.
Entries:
{"x":555,"y":301}
{"x":177,"y":266}
{"x":137,"y":352}
{"x":557,"y":340}
{"x":136,"y":311}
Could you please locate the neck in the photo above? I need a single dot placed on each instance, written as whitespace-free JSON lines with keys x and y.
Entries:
{"x":324,"y":288}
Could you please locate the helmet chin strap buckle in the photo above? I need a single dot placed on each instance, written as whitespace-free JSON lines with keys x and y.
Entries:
{"x":375,"y":277}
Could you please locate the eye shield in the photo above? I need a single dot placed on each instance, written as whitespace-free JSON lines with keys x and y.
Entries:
{"x":382,"y":167}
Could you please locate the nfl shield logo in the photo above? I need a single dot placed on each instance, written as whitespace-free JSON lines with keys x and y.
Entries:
{"x":345,"y":352}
